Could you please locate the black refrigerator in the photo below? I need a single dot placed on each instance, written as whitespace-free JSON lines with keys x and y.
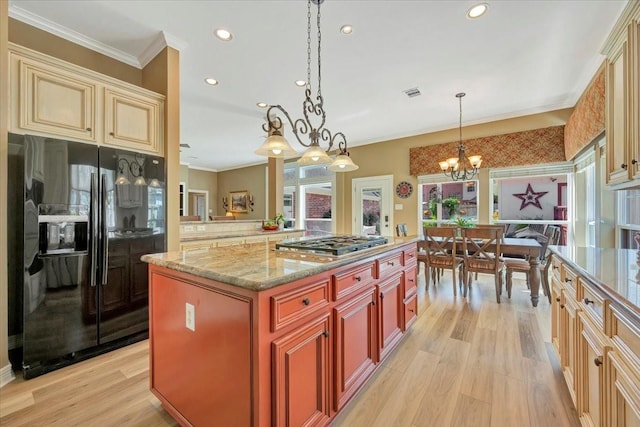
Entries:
{"x":83,"y":217}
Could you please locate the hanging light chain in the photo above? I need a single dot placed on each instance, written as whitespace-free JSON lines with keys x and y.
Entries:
{"x":319,"y":43}
{"x":308,"y":45}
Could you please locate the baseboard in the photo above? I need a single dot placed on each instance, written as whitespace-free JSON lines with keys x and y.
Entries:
{"x":6,"y":375}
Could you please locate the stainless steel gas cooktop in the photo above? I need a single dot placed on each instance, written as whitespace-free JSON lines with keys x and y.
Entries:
{"x":334,"y":245}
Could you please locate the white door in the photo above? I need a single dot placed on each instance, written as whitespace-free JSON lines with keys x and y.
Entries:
{"x":372,"y":205}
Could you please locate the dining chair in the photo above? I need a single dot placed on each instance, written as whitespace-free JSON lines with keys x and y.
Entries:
{"x":515,"y":265}
{"x":440,"y":247}
{"x":481,"y":249}
{"x":501,"y":229}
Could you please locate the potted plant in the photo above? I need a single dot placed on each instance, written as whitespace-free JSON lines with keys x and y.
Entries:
{"x":451,"y":204}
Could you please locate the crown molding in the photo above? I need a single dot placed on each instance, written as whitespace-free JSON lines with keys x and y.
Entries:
{"x":71,"y":35}
{"x":162,"y":40}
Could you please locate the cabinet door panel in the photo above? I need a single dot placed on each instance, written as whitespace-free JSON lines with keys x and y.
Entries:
{"x":57,"y":104}
{"x":355,"y":345}
{"x":617,"y":116}
{"x":625,"y":392}
{"x":391,"y":313}
{"x":591,"y":354}
{"x":301,"y":375}
{"x":132,"y":121}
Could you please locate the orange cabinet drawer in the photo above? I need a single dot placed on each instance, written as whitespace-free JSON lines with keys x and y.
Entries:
{"x":293,"y":305}
{"x":388,"y":265}
{"x":410,"y":311}
{"x":410,"y":257}
{"x":348,"y":281}
{"x":410,"y":282}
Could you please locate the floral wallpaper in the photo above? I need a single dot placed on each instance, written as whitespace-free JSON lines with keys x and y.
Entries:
{"x":587,"y":120}
{"x":529,"y":147}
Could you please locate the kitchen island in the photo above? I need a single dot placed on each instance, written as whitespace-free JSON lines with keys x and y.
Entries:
{"x":248,"y":335}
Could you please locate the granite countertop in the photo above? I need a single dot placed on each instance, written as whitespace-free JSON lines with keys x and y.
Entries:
{"x":615,"y":270}
{"x":258,"y":266}
{"x":203,"y":235}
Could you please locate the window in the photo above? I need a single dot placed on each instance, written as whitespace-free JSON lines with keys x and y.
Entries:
{"x":529,"y":199}
{"x":314,"y":209}
{"x":443,"y":202}
{"x":628,"y":218}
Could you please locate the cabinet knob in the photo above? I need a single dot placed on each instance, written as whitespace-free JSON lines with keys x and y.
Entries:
{"x":411,"y":310}
{"x":558,"y":299}
{"x":306,"y":301}
{"x":410,"y":280}
{"x":358,"y":278}
{"x":561,"y":305}
{"x":598,"y":360}
{"x":567,"y":280}
{"x":112,"y":134}
{"x":381,"y":295}
{"x":88,"y":129}
{"x":623,"y":166}
{"x":373,"y":302}
{"x":391,"y":263}
{"x":326,"y":334}
{"x":587,"y":301}
{"x":555,"y":267}
{"x":634,"y":161}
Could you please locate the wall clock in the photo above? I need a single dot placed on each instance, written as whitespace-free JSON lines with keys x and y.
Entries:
{"x":404,"y":189}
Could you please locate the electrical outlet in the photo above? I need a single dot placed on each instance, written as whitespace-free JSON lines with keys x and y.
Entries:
{"x":190,"y":317}
{"x":188,"y":228}
{"x":200,"y":228}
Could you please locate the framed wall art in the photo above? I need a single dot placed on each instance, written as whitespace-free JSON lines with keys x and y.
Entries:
{"x":239,"y":201}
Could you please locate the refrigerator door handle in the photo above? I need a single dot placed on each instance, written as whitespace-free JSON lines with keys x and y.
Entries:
{"x":105,"y":232}
{"x":93,"y":215}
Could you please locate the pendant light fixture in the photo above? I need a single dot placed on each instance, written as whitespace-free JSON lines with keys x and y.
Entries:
{"x":277,"y":146}
{"x":462,"y":167}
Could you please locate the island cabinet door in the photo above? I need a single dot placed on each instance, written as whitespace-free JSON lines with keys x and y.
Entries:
{"x":390,"y":313}
{"x":355,"y":344}
{"x":301,"y":375}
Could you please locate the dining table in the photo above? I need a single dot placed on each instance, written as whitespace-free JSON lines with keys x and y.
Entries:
{"x":530,"y":249}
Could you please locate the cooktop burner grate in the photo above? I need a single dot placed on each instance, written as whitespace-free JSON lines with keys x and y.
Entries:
{"x":334,"y":245}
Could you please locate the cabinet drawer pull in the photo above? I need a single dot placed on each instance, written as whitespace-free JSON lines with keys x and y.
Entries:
{"x":558,"y":299}
{"x":623,"y":166}
{"x":306,"y":301}
{"x":358,"y":278}
{"x":588,"y":301}
{"x":391,"y":263}
{"x":634,"y":161}
{"x":598,"y":360}
{"x":112,"y":134}
{"x":555,"y":267}
{"x":326,"y":334}
{"x":410,"y":280}
{"x":88,"y":129}
{"x":411,"y":310}
{"x":567,"y":280}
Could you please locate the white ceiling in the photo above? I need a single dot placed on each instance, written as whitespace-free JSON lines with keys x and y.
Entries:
{"x":522,"y":57}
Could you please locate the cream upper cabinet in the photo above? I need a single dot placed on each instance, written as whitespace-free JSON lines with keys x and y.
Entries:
{"x":622,"y":50}
{"x":55,"y":102}
{"x":51,"y":97}
{"x":132,"y":121}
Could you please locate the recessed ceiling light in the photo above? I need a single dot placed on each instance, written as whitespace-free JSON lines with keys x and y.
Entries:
{"x":211,"y":81}
{"x":301,"y":83}
{"x":346,"y":29}
{"x":262,"y":104}
{"x":477,"y":11}
{"x":224,"y":35}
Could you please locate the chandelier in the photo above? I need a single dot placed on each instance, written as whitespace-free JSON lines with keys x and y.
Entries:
{"x":277,"y":146}
{"x":461,"y":167}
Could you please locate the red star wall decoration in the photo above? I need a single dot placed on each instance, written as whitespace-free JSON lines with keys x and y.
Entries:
{"x":530,"y":198}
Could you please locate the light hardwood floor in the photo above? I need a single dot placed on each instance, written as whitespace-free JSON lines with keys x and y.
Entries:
{"x":465,"y":362}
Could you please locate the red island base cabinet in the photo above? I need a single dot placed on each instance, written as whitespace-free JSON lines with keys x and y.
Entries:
{"x":292,"y":355}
